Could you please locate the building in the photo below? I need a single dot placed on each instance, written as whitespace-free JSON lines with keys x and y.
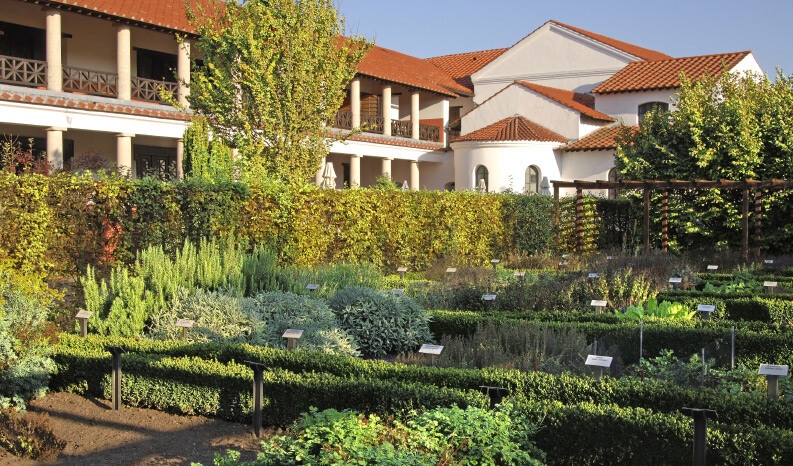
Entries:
{"x":85,"y":76}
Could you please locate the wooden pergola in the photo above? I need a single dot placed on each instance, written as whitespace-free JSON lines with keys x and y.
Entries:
{"x":664,"y":186}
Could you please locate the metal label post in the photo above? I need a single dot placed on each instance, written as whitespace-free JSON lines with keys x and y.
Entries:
{"x":116,"y":351}
{"x":258,"y":395}
{"x":496,"y":394}
{"x":701,"y":417}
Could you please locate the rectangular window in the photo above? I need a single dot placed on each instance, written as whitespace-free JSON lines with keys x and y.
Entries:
{"x":159,"y":162}
{"x":159,"y":66}
{"x":22,"y":41}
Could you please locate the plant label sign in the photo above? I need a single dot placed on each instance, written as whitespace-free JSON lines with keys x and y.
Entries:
{"x":562,"y":264}
{"x":706,"y":308}
{"x":564,"y":256}
{"x":83,"y":314}
{"x":773,"y":369}
{"x":593,"y":275}
{"x":608,"y":258}
{"x":675,"y":280}
{"x":768,"y":262}
{"x":312,"y":286}
{"x":451,"y":270}
{"x":488,"y":297}
{"x":292,"y":333}
{"x":430,"y":349}
{"x":770,"y":284}
{"x":599,"y":303}
{"x":713,"y":267}
{"x":184,"y":323}
{"x":402,"y":269}
{"x":398,"y":291}
{"x":495,"y":261}
{"x":598,"y":361}
{"x":520,"y":274}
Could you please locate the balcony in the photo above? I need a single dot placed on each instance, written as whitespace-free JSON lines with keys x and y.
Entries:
{"x":399,"y":128}
{"x":33,"y":73}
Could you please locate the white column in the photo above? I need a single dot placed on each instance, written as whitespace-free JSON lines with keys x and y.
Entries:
{"x":54,"y":63}
{"x":414,"y":115}
{"x":444,"y":127}
{"x":124,"y":61}
{"x":179,"y":159}
{"x":124,"y":153}
{"x":385,"y":168}
{"x":355,"y":171}
{"x":55,"y":147}
{"x":355,"y":102}
{"x":183,"y":71}
{"x":318,"y":178}
{"x":414,"y":175}
{"x":386,"y":111}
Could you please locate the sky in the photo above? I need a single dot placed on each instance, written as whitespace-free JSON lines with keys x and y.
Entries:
{"x":428,"y":28}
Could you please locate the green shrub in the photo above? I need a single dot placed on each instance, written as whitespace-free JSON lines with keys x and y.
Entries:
{"x":119,"y":305}
{"x":380,"y":322}
{"x":272,"y":313}
{"x":218,"y":317}
{"x":653,"y":309}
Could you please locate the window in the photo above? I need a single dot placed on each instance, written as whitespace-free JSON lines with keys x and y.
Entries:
{"x":22,"y":41}
{"x":159,"y":162}
{"x":648,"y":107}
{"x":156,"y":65}
{"x":482,"y":181}
{"x":614,"y":175}
{"x":532,"y":182}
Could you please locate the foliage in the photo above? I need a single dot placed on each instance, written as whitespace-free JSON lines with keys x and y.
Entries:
{"x":730,"y":127}
{"x":664,"y":310}
{"x":118,"y":305}
{"x":380,"y":322}
{"x":29,"y":435}
{"x":206,"y":159}
{"x":452,"y":436}
{"x":25,"y":338}
{"x":273,"y":75}
{"x":217,"y":316}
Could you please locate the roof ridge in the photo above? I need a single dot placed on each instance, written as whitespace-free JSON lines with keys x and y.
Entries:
{"x":467,"y":53}
{"x":632,"y":49}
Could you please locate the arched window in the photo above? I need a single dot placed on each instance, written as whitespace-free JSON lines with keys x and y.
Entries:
{"x":647,"y":107}
{"x":482,"y":175}
{"x":614,"y":175}
{"x":532,"y":181}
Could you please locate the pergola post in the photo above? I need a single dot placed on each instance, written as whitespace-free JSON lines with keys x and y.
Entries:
{"x":665,"y":221}
{"x":758,"y":220}
{"x":745,"y":225}
{"x":579,"y":219}
{"x":646,"y":229}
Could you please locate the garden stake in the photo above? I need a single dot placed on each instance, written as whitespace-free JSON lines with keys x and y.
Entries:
{"x":496,"y":394}
{"x":116,"y":351}
{"x":701,"y":417}
{"x":258,"y":396}
{"x":773,"y":386}
{"x":732,"y":349}
{"x":704,"y":367}
{"x":641,"y":340}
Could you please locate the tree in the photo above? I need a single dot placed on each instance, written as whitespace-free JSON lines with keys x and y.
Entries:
{"x":273,"y":77}
{"x":727,"y":126}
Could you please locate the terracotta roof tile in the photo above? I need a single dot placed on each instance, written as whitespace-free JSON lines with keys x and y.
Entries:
{"x":396,"y":67}
{"x":164,"y":14}
{"x":635,"y":50}
{"x":665,"y":74}
{"x":601,"y":139}
{"x":462,"y":65}
{"x":402,"y":142}
{"x":583,"y":103}
{"x":164,"y":113}
{"x":516,"y":128}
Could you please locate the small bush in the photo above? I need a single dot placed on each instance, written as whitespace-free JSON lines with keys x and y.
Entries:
{"x":380,"y":322}
{"x":29,"y":435}
{"x":218,"y":317}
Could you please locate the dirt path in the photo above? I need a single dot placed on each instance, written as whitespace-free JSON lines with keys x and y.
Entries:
{"x":95,"y":434}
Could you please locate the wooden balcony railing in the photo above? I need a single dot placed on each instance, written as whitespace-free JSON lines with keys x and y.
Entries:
{"x":372,"y":124}
{"x":90,"y":81}
{"x":149,"y":89}
{"x":23,"y":71}
{"x":343,"y":119}
{"x":429,"y":133}
{"x":401,"y":128}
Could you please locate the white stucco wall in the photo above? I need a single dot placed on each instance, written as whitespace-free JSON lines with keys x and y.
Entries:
{"x":506,"y":163}
{"x":551,"y":56}
{"x":587,"y":166}
{"x":624,"y":107}
{"x":518,"y":100}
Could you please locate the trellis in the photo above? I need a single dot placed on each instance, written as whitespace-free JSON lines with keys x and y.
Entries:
{"x":748,"y":187}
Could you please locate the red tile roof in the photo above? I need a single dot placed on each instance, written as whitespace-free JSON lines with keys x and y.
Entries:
{"x":583,"y":103}
{"x":462,"y":65}
{"x":401,"y":142}
{"x":390,"y":65}
{"x":600,"y":139}
{"x":635,"y":50}
{"x":514,"y":128}
{"x":159,"y":14}
{"x":148,"y":110}
{"x":665,"y":74}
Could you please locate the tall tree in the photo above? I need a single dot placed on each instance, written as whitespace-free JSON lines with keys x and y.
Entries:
{"x":273,"y":77}
{"x":728,"y":126}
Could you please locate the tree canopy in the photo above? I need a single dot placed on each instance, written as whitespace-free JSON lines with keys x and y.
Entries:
{"x":728,"y":126}
{"x":272,"y":77}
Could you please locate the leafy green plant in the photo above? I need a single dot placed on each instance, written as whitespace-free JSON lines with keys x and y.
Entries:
{"x":29,"y":435}
{"x":652,"y":309}
{"x":380,"y":322}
